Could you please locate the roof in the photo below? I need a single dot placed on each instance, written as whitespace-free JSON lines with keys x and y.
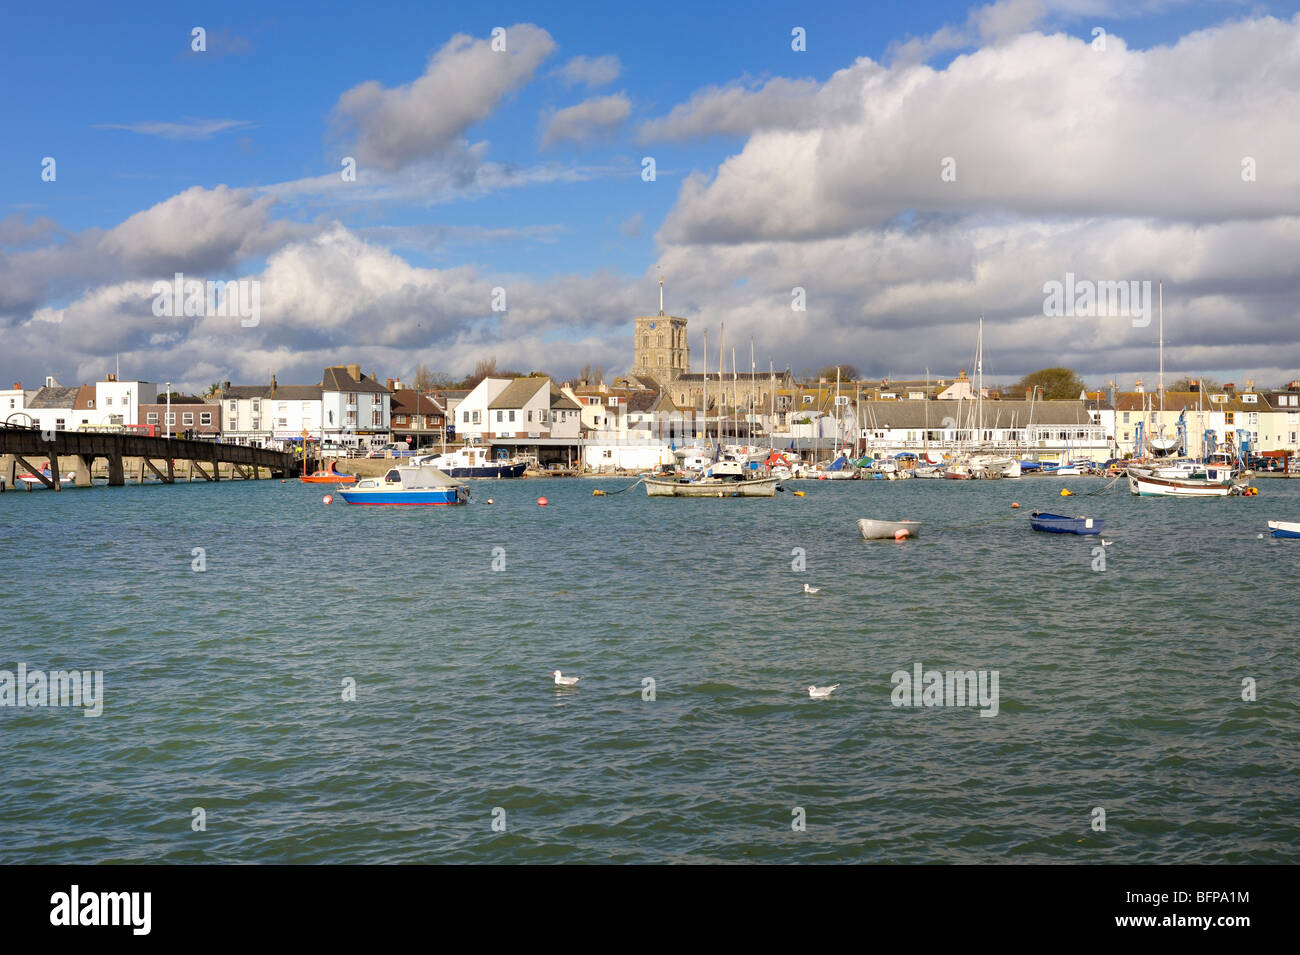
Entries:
{"x":1189,"y":401}
{"x":282,"y":392}
{"x":59,"y":397}
{"x":85,"y":397}
{"x":561,"y":401}
{"x":642,"y":401}
{"x":997,"y":414}
{"x":404,"y":402}
{"x":518,"y":392}
{"x":336,"y":378}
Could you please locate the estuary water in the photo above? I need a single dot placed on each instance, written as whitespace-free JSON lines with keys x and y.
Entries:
{"x":225,"y":735}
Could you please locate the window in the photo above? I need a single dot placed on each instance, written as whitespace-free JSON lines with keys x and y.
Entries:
{"x":464,"y":417}
{"x":108,"y":400}
{"x":1126,"y":414}
{"x":257,"y":406}
{"x":1249,"y":399}
{"x":1227,"y":417}
{"x":807,"y":399}
{"x":512,"y":414}
{"x":282,"y":407}
{"x":541,"y":416}
{"x":151,"y":418}
{"x":613,"y":401}
{"x":205,"y":417}
{"x":476,"y":417}
{"x":90,"y":403}
{"x":280,"y":423}
{"x":500,"y":416}
{"x":187,"y":417}
{"x":400,"y":419}
{"x":233,"y":405}
{"x":530,"y":416}
{"x":59,"y":424}
{"x":171,"y":417}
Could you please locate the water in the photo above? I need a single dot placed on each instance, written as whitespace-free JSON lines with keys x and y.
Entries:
{"x":1119,"y":689}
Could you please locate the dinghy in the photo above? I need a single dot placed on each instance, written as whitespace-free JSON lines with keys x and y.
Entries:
{"x":1284,"y":529}
{"x":888,"y":530}
{"x":1058,"y":524}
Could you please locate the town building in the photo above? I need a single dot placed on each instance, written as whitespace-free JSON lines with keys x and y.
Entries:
{"x":357,"y":411}
{"x":418,"y":418}
{"x":659,"y":346}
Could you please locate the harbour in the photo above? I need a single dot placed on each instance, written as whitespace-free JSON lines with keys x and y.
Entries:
{"x":1119,"y":687}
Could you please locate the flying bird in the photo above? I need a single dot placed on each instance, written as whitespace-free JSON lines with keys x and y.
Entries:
{"x":810,"y":589}
{"x":561,"y":680}
{"x":822,"y":692}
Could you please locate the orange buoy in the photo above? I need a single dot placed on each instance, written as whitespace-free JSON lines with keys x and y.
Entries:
{"x":900,"y":535}
{"x":1015,"y":504}
{"x":327,"y":499}
{"x":542,"y":502}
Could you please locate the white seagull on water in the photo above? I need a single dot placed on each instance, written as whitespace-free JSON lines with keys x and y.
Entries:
{"x":1106,"y":543}
{"x":822,"y":692}
{"x":810,"y":589}
{"x":561,"y":680}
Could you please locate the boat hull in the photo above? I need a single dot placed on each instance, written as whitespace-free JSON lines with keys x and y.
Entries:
{"x":756,"y":487}
{"x":488,"y":471}
{"x":1284,"y":530}
{"x":887,"y":530}
{"x":440,"y":496}
{"x":1059,"y":524}
{"x":1148,"y":485}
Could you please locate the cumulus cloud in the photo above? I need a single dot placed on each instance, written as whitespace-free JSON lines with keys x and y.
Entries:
{"x":591,"y":71}
{"x":591,"y":119}
{"x":737,"y":110}
{"x":1041,"y":126}
{"x":462,"y":84}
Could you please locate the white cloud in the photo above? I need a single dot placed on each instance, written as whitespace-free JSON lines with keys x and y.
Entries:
{"x":737,"y":109}
{"x":462,"y":84}
{"x":591,"y":71}
{"x":185,"y":129}
{"x":591,"y":119}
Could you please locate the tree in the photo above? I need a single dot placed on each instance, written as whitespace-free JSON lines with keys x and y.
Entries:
{"x":212,"y":390}
{"x":1056,"y":383}
{"x":592,"y":374}
{"x":483,"y":368}
{"x":847,"y":372}
{"x":1194,"y":384}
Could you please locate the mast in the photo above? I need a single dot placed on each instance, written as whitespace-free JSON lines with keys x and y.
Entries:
{"x":771,"y":430}
{"x":735,"y":401}
{"x":704,"y":398}
{"x":838,"y":439}
{"x":722,"y":351}
{"x":979,"y":371}
{"x":1162,"y":356}
{"x":751,"y":389}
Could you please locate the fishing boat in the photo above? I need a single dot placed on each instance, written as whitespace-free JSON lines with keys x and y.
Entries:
{"x":1143,"y":482}
{"x":888,"y":530}
{"x":1059,"y":524}
{"x":1284,"y":529}
{"x":723,"y":479}
{"x":473,"y":462}
{"x":408,"y":484}
{"x":329,"y":476}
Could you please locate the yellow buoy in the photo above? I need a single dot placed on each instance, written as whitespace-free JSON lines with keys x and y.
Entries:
{"x":598,"y":493}
{"x":1066,"y":492}
{"x":798,"y":493}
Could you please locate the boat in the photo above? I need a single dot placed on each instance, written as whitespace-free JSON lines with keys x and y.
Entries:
{"x":408,"y":484}
{"x":30,"y":481}
{"x":473,"y":462}
{"x":888,"y":530}
{"x":1059,"y":524}
{"x":841,"y":469}
{"x":1143,"y":482}
{"x":1284,"y":529}
{"x":722,"y":479}
{"x":328,"y":476}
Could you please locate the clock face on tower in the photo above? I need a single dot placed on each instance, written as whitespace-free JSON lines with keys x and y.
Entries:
{"x":652,"y":324}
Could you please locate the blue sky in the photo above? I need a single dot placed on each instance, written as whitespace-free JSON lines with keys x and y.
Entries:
{"x":586,"y":218}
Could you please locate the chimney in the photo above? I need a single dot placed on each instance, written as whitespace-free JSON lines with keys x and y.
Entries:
{"x":273,"y":386}
{"x":1029,"y":394}
{"x":1139,"y":387}
{"x":354,"y":371}
{"x":390,"y":384}
{"x":226,"y":387}
{"x":18,"y":386}
{"x":1229,"y":387}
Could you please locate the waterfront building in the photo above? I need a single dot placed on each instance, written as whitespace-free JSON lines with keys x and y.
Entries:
{"x":418,"y":419}
{"x":189,"y":415}
{"x":1259,"y":420}
{"x":357,"y":410}
{"x":659,"y":346}
{"x":13,"y":405}
{"x":265,"y":416}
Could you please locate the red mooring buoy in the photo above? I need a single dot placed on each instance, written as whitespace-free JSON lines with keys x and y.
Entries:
{"x":327,"y":499}
{"x":542,"y":502}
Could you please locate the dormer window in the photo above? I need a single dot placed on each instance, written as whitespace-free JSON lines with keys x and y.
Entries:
{"x":1249,"y":399}
{"x":1219,"y":399}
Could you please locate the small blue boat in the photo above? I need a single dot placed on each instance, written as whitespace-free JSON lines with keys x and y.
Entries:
{"x":1057,"y":524}
{"x":409,"y":484}
{"x":1284,"y":529}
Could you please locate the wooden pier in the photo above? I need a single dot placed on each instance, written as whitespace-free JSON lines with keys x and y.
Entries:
{"x":23,"y":450}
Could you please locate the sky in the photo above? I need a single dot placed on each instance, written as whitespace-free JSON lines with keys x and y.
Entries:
{"x":910,"y":168}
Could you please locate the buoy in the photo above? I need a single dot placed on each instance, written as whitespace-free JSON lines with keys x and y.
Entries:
{"x":1066,"y":492}
{"x":490,"y":501}
{"x":542,"y":502}
{"x":798,"y":493}
{"x":1015,"y":504}
{"x":327,"y":499}
{"x":598,"y":493}
{"x":900,"y":535}
{"x":281,"y":480}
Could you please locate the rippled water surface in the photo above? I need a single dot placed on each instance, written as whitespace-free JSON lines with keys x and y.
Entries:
{"x":1118,"y":688}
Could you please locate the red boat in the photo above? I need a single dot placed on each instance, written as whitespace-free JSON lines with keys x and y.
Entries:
{"x":329,"y":476}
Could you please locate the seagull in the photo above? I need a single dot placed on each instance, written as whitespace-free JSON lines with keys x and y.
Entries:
{"x":561,"y":680}
{"x":810,"y":589}
{"x":1106,"y":543}
{"x":822,"y":692}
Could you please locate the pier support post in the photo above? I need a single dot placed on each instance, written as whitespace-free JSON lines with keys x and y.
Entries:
{"x":116,"y":471}
{"x":216,"y":468}
{"x":53,"y":452}
{"x":171,"y":470}
{"x":165,"y":478}
{"x":81,"y":469}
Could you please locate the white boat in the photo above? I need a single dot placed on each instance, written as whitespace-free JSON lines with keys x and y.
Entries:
{"x":1003,"y":466}
{"x":31,"y":482}
{"x":1143,"y":482}
{"x":723,"y":479}
{"x":888,"y":530}
{"x":1284,"y":529}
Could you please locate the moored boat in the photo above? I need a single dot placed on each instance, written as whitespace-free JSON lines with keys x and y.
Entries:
{"x":1059,"y":524}
{"x":888,"y":530}
{"x":723,"y":479}
{"x":1145,"y":483}
{"x":473,"y":462}
{"x":408,"y":484}
{"x":328,"y":476}
{"x":1287,"y":530}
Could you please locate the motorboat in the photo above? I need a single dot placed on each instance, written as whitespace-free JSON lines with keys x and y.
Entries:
{"x":1143,"y":482}
{"x":472,"y":461}
{"x":408,"y":484}
{"x":329,"y":475}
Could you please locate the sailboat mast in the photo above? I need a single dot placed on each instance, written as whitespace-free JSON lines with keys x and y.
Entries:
{"x":735,"y":402}
{"x":752,"y":402}
{"x":979,"y":372}
{"x":722,"y":351}
{"x":1162,"y":356}
{"x":771,"y":430}
{"x":704,"y":398}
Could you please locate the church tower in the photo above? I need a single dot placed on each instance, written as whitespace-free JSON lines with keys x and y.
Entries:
{"x":659,"y":348}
